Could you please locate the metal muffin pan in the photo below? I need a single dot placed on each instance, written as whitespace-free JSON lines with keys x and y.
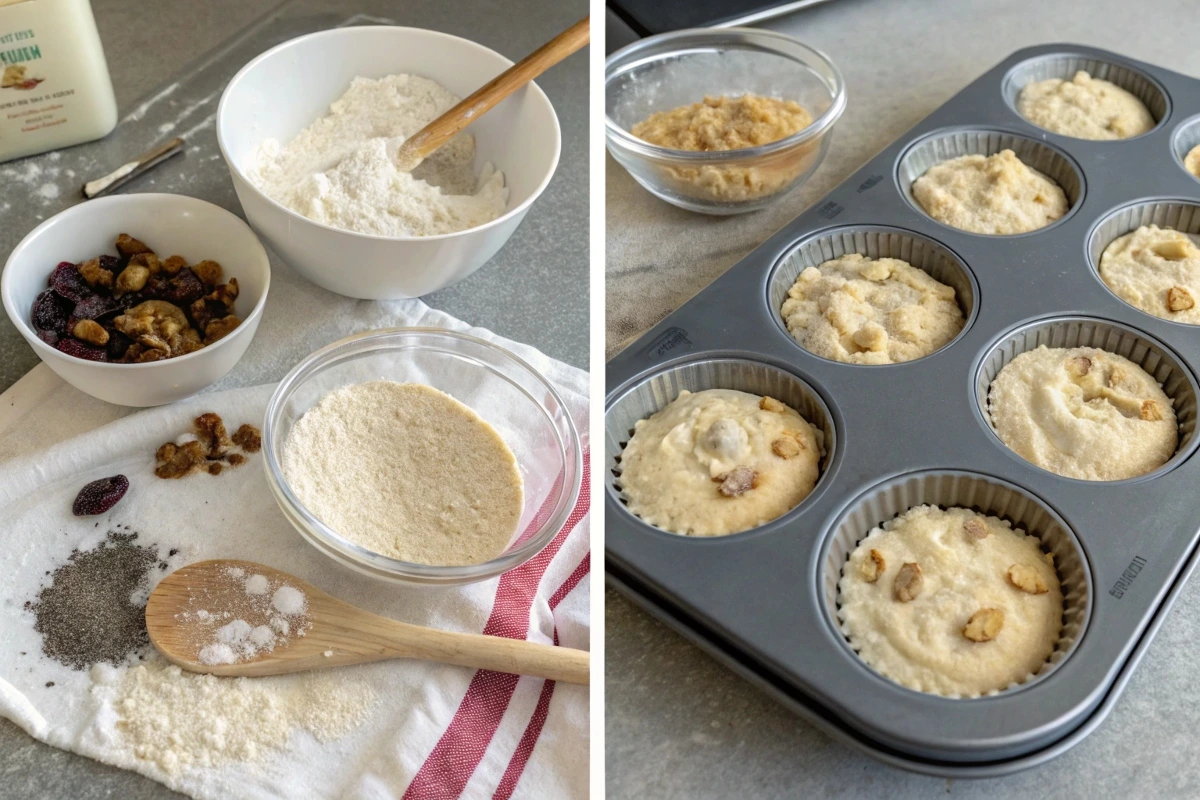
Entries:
{"x":761,"y":601}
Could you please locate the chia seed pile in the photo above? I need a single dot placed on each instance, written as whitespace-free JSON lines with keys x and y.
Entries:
{"x":93,"y":611}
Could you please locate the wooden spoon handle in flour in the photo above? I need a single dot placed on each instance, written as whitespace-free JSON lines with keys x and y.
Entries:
{"x":335,"y":633}
{"x":418,"y":146}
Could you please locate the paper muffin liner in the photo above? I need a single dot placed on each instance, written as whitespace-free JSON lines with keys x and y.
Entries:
{"x":1186,"y":137}
{"x":987,"y":495}
{"x":876,"y":242}
{"x":655,"y":392}
{"x":1181,"y":215}
{"x":1065,"y":65}
{"x":1148,"y":353}
{"x":945,"y":145}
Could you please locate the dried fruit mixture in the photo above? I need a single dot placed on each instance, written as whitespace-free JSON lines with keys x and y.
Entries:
{"x":134,"y":307}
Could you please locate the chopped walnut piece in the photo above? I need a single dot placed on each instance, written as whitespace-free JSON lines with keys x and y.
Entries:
{"x":215,"y":467}
{"x":91,"y":332}
{"x":872,"y":566}
{"x":1078,"y":366}
{"x":96,"y":275}
{"x":128,"y":246}
{"x":175,"y":462}
{"x":1179,"y":299}
{"x":976,"y":528}
{"x":209,"y":272}
{"x":737,"y":481}
{"x":157,"y":325}
{"x":132,"y":279}
{"x":984,"y":625}
{"x":1027,"y":579}
{"x":210,"y":428}
{"x":147,"y":260}
{"x":908,"y":582}
{"x":235,"y":459}
{"x":1175,"y":249}
{"x":787,"y":446}
{"x":173,"y":264}
{"x":220,"y":328}
{"x":249,"y":438}
{"x":1151,"y":411}
{"x":771,"y":404}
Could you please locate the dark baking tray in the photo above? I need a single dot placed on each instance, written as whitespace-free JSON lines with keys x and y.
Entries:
{"x":759,"y":600}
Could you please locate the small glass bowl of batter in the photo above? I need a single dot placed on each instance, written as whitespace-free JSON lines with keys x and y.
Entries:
{"x":677,"y":69}
{"x":510,"y":395}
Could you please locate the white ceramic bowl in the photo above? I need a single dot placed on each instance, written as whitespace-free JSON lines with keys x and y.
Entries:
{"x":170,"y":224}
{"x":283,"y":90}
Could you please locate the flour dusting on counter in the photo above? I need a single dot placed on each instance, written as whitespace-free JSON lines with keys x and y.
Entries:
{"x":341,"y":169}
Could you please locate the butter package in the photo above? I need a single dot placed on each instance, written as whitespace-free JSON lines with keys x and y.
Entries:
{"x":54,"y":86}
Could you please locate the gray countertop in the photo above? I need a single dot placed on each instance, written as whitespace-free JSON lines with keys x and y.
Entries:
{"x":678,"y":724}
{"x":534,"y":290}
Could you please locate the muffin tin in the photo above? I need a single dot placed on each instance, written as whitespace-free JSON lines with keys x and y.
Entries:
{"x":764,"y":601}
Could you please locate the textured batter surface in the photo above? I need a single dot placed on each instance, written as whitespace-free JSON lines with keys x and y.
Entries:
{"x":965,"y":561}
{"x":1084,"y":107}
{"x":866,"y":311}
{"x":718,"y":462}
{"x":407,"y":471}
{"x":1083,"y":413}
{"x":724,"y":123}
{"x":1157,"y":270}
{"x":1191,"y":161}
{"x":341,"y":169}
{"x":994,"y":194}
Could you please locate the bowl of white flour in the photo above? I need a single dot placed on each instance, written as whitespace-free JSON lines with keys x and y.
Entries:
{"x":309,"y":131}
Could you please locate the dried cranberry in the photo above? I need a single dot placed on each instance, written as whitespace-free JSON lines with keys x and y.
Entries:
{"x":156,"y":288}
{"x":50,"y":312}
{"x":74,"y":347}
{"x":99,"y":496}
{"x":112,"y":264}
{"x":92,"y":307}
{"x":118,"y":343}
{"x":49,"y":337}
{"x":184,"y":289}
{"x":68,"y":283}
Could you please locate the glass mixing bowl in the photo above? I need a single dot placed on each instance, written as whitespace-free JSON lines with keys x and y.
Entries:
{"x":675,"y":69}
{"x":507,"y":392}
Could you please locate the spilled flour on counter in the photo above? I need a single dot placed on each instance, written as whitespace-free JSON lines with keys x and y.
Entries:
{"x":341,"y":169}
{"x":179,"y":720}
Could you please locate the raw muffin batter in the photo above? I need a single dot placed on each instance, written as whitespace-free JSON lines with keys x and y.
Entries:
{"x":994,"y":194}
{"x":866,"y":311}
{"x":1084,"y":107}
{"x":341,"y":169}
{"x":1191,"y":161}
{"x":724,"y":123}
{"x":1156,"y":270}
{"x":951,"y":602}
{"x":1083,"y":413}
{"x":407,"y":471}
{"x":718,"y":462}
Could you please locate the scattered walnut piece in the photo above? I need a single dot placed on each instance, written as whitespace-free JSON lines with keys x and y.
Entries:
{"x":908,"y":582}
{"x":976,"y":528}
{"x":175,"y":462}
{"x":1179,"y":299}
{"x":984,"y":625}
{"x":1027,"y":579}
{"x":156,"y":325}
{"x":210,"y":428}
{"x":249,"y":438}
{"x":235,"y":459}
{"x":1151,"y":411}
{"x":872,"y":566}
{"x":771,"y":404}
{"x":1175,"y":249}
{"x":147,"y":260}
{"x":209,"y":272}
{"x":215,"y":467}
{"x":1078,"y":366}
{"x":787,"y":446}
{"x":132,"y":279}
{"x":96,"y":275}
{"x":128,"y":246}
{"x":172,"y":265}
{"x":220,"y":328}
{"x":737,"y":481}
{"x":91,"y":332}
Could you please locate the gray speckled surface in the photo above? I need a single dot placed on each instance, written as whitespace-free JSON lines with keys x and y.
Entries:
{"x":678,"y":724}
{"x":534,"y":291}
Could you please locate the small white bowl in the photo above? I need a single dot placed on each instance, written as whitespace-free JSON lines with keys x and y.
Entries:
{"x":170,"y":224}
{"x":286,"y":88}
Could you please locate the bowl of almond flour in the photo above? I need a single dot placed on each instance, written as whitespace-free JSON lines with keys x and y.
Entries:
{"x":309,"y":131}
{"x":422,"y":456}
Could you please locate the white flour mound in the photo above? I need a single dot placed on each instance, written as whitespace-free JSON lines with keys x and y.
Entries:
{"x":341,"y":169}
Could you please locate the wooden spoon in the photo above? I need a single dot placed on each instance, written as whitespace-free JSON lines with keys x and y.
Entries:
{"x":417,"y":147}
{"x":340,"y":633}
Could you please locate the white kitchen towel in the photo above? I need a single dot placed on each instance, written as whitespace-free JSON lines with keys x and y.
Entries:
{"x":432,"y":731}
